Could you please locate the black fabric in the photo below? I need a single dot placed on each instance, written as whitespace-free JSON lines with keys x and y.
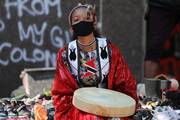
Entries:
{"x":160,"y":23}
{"x":83,"y":28}
{"x":169,"y":4}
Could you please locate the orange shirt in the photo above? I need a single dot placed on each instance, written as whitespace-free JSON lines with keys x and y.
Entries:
{"x":40,"y":113}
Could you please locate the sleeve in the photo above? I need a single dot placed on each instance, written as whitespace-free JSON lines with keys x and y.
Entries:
{"x":124,"y":80}
{"x":62,"y":94}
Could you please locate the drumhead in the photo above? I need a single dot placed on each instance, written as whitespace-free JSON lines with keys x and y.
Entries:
{"x":104,"y":102}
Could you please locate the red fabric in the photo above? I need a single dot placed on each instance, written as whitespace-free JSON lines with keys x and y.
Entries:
{"x":119,"y":79}
{"x":167,"y":61}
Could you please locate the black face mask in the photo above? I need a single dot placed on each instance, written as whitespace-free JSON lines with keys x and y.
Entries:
{"x":83,"y":28}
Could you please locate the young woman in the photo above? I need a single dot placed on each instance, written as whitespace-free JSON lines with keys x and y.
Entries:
{"x":88,"y":61}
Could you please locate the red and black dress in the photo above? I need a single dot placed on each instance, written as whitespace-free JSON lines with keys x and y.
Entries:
{"x":104,"y":67}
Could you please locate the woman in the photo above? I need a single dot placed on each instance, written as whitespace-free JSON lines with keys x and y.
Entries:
{"x":88,"y":61}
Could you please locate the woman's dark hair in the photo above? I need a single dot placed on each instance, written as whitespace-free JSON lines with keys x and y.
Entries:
{"x":92,"y":11}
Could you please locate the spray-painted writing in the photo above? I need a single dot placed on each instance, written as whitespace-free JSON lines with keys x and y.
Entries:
{"x":17,"y":55}
{"x":57,"y":36}
{"x":37,"y":34}
{"x":32,"y":7}
{"x":2,"y":26}
{"x":34,"y":40}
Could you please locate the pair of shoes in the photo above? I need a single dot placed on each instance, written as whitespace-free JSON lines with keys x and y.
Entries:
{"x":165,"y":113}
{"x":23,"y":111}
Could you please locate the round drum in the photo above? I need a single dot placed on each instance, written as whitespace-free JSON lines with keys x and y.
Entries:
{"x":104,"y":102}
